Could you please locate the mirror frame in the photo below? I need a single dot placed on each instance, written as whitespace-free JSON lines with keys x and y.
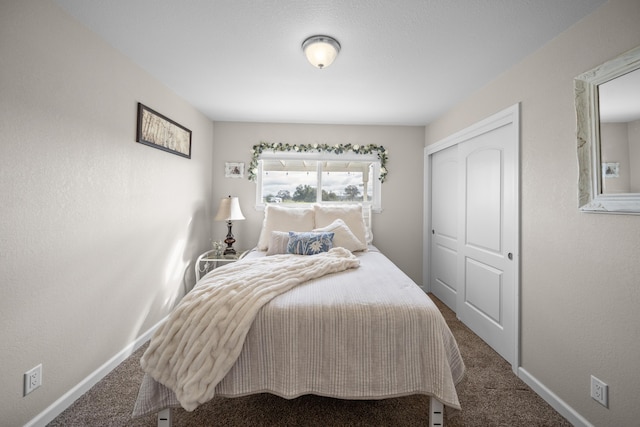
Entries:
{"x":590,"y":197}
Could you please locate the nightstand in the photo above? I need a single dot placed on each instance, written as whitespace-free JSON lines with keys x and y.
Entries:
{"x":210,"y":260}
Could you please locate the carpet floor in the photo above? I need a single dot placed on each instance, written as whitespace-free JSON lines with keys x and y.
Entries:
{"x":490,"y":395}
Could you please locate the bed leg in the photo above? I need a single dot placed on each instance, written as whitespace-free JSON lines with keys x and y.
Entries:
{"x":436,"y":413}
{"x":164,"y":417}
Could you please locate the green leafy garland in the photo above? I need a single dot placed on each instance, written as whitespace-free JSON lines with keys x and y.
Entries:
{"x":318,"y":148}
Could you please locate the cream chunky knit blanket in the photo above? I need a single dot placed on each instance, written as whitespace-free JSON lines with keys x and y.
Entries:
{"x":202,"y":338}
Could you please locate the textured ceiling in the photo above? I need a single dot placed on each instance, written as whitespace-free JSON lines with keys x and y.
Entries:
{"x":402,"y":62}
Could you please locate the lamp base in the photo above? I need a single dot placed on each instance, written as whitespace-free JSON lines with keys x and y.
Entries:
{"x":229,"y":241}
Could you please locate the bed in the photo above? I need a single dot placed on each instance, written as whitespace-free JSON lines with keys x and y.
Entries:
{"x":358,"y":329}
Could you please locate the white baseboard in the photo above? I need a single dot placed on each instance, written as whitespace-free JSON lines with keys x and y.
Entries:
{"x":552,"y":399}
{"x":57,"y":407}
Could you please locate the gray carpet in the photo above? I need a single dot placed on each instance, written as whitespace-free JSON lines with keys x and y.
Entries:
{"x":490,"y":395}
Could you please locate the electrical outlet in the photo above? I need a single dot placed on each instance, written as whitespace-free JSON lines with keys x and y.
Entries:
{"x":32,"y":379}
{"x":599,"y":391}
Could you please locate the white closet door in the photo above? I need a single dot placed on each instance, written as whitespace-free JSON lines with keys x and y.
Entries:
{"x":486,"y":244}
{"x":472,"y":232}
{"x":444,"y":226}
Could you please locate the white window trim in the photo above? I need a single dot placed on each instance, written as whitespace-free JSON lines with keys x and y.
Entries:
{"x":375,"y":204}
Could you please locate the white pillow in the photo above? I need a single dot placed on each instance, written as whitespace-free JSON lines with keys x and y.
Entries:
{"x":343,"y":237}
{"x":278,"y":243}
{"x":351,"y":215}
{"x":277,"y":218}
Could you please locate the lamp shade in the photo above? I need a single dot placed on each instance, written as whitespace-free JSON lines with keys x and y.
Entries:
{"x":229,"y":210}
{"x":321,"y":51}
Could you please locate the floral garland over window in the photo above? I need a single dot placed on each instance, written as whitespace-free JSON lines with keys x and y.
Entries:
{"x":318,"y":148}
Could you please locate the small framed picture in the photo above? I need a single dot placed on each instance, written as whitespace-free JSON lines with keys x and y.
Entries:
{"x":233,"y":170}
{"x":611,"y":169}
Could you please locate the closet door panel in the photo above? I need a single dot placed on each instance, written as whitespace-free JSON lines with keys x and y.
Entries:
{"x":444,"y":226}
{"x":484,"y":199}
{"x":486,"y":298}
{"x":484,"y":290}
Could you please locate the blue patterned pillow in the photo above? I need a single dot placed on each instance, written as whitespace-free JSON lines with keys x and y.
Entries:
{"x":309,"y":243}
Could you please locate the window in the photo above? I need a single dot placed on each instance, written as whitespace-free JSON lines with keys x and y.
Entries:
{"x":284,"y":177}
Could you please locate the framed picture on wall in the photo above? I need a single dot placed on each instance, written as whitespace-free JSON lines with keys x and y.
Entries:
{"x":158,"y":131}
{"x":611,"y":169}
{"x":233,"y":170}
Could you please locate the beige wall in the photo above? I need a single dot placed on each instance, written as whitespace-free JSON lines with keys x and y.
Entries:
{"x":580,"y":292}
{"x":97,"y":232}
{"x":397,"y":231}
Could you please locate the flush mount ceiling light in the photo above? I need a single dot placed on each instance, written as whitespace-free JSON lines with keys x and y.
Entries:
{"x":321,"y":50}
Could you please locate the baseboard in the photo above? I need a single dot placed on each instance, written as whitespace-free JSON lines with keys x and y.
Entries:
{"x":57,"y":407}
{"x":552,"y":399}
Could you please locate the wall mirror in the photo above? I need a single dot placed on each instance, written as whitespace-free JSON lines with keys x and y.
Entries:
{"x":607,"y":100}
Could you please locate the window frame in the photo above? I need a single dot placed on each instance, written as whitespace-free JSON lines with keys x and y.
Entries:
{"x":376,"y":185}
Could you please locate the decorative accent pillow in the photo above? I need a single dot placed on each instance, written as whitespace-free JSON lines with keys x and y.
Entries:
{"x":343,"y":236}
{"x":278,"y":243}
{"x":351,"y":215}
{"x":277,"y":218}
{"x":309,"y":243}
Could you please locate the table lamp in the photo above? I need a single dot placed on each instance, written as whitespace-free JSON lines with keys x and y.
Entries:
{"x":229,"y":211}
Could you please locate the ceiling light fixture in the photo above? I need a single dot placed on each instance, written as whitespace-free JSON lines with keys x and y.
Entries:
{"x":321,"y":50}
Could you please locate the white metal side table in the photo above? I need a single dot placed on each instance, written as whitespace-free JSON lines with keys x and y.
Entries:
{"x":210,"y":260}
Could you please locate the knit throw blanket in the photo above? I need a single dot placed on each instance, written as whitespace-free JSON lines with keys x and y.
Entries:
{"x":203,"y":337}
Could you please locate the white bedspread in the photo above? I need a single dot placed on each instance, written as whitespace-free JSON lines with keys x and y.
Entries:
{"x":195,"y":348}
{"x":365,"y":333}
